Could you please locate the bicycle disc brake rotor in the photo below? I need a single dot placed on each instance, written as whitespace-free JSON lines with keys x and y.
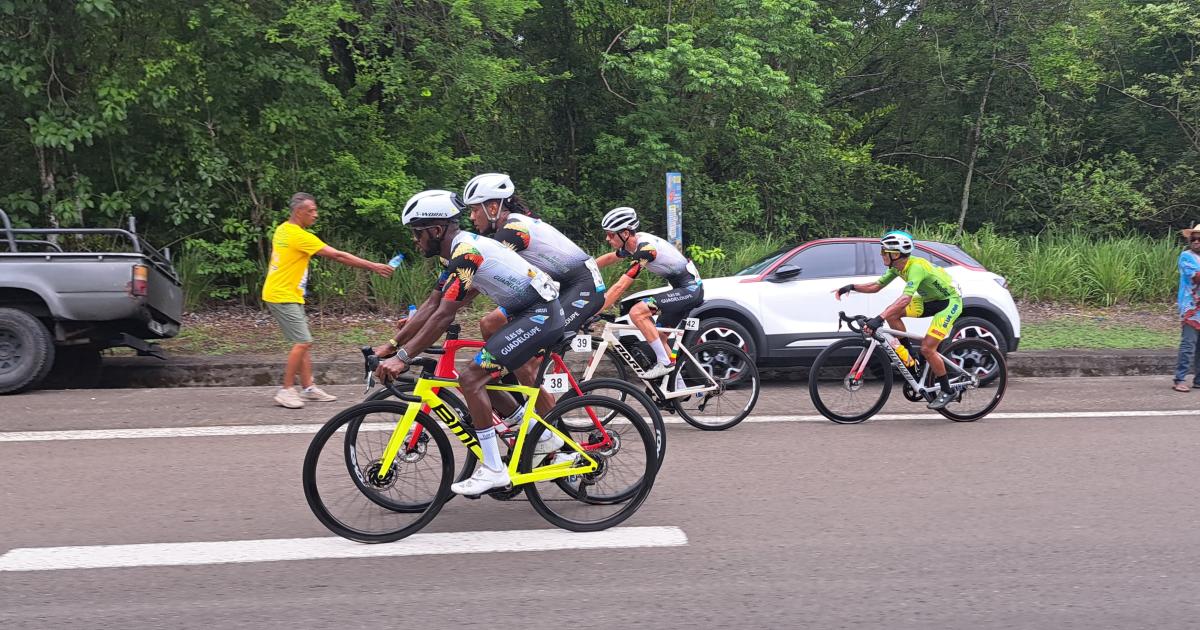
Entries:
{"x":852,"y":384}
{"x":371,"y":475}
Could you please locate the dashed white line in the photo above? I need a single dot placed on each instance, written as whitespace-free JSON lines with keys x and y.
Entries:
{"x":275,"y":550}
{"x":290,"y":429}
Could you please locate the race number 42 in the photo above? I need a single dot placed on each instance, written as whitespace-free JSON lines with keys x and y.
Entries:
{"x":691,"y":323}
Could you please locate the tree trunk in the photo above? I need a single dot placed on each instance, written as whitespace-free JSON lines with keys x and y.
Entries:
{"x":973,"y":148}
{"x":49,"y":189}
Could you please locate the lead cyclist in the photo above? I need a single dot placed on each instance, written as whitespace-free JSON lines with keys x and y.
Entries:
{"x":928,"y":289}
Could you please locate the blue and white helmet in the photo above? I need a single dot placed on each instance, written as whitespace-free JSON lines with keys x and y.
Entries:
{"x":897,"y":241}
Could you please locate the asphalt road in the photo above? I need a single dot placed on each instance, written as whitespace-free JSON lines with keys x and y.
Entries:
{"x":1085,"y":519}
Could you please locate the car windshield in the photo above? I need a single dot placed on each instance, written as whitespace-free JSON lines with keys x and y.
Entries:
{"x":952,"y":251}
{"x":763,"y":263}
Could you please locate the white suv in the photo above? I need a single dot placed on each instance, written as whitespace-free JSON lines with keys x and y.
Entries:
{"x":782,"y":310}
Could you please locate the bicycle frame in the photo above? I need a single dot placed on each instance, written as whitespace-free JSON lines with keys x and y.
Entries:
{"x":425,"y":391}
{"x":608,"y":338}
{"x":890,"y":333}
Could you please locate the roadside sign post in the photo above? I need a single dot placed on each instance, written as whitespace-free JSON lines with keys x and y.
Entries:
{"x":675,"y":210}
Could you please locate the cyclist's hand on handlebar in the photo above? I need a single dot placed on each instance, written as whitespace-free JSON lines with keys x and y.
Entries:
{"x":391,"y":369}
{"x":384,"y":350}
{"x":873,"y":324}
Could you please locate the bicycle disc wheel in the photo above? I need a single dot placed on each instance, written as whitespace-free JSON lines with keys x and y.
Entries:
{"x":628,"y":394}
{"x":737,"y":385}
{"x":983,"y":361}
{"x":597,"y":500}
{"x":345,"y":491}
{"x":839,"y":394}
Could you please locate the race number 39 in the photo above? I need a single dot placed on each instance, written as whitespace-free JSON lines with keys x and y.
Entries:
{"x":582,"y":343}
{"x":691,"y":323}
{"x":556,"y":383}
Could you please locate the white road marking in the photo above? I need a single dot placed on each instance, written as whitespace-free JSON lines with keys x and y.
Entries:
{"x":292,"y":429}
{"x":274,"y":550}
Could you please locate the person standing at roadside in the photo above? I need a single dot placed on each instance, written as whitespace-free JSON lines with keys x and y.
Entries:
{"x":1189,"y":311}
{"x":292,"y":247}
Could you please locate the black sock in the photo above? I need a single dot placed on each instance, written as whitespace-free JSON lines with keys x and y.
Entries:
{"x":944,"y":381}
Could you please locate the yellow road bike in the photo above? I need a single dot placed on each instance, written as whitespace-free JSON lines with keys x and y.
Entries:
{"x":381,"y":470}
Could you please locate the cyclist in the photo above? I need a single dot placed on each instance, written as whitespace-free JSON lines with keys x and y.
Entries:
{"x":499,"y":213}
{"x":477,"y":264}
{"x":661,"y":258}
{"x":928,"y":289}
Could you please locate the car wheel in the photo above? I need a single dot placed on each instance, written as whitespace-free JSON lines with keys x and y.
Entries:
{"x":979,"y":328}
{"x":729,"y":331}
{"x":25,"y":348}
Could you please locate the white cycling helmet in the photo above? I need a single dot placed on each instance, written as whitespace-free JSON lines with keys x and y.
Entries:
{"x":897,"y":241}
{"x":618,"y":219}
{"x":488,"y":186}
{"x":431,"y":204}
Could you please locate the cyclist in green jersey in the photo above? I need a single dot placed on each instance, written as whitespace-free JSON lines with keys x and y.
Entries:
{"x":928,"y":289}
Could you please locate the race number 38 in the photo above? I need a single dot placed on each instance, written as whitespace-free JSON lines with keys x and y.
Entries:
{"x":582,"y":343}
{"x":556,"y":383}
{"x":691,"y":323}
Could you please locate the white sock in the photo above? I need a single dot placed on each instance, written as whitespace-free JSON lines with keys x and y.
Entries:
{"x":660,"y":352}
{"x":490,"y":447}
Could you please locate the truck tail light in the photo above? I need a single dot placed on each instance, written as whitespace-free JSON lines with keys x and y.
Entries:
{"x":139,"y":285}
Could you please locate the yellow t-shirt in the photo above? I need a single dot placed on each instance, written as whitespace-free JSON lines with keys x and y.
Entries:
{"x":291,"y":248}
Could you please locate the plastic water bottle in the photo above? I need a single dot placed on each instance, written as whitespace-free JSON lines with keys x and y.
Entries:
{"x":412,"y":310}
{"x":396,"y":260}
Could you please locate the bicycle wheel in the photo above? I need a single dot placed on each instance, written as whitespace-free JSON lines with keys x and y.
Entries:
{"x":737,"y":385}
{"x":628,"y":394}
{"x":339,"y":470}
{"x":986,"y":364}
{"x":610,"y":365}
{"x":607,"y":496}
{"x":463,"y":457}
{"x":842,"y":394}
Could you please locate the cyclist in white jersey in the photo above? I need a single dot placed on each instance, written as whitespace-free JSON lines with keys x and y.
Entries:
{"x":661,"y":258}
{"x":498,"y":212}
{"x":477,"y":264}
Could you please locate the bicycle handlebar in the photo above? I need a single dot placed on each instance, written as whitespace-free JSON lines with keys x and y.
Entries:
{"x":855,"y":324}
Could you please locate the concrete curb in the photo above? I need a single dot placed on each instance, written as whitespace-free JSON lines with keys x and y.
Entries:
{"x":263,"y":371}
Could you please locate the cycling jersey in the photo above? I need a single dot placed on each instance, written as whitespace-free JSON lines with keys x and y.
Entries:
{"x":661,"y":258}
{"x":480,"y":263}
{"x":542,"y":245}
{"x":923,"y":280}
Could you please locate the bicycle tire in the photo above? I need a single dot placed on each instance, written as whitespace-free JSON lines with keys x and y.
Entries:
{"x":724,"y":357}
{"x":311,"y":478}
{"x":636,"y":393}
{"x":636,"y":492}
{"x":826,"y":360}
{"x":995,"y":379}
{"x":460,"y":409}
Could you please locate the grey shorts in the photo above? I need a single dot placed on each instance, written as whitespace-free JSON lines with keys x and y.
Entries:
{"x":292,"y":320}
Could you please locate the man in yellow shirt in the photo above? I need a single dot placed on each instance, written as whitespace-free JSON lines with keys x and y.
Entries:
{"x":283,"y":293}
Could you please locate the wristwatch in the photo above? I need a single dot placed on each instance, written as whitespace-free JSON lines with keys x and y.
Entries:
{"x":402,"y":355}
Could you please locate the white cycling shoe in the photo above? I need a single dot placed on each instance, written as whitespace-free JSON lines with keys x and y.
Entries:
{"x":658,"y":371}
{"x":482,"y":480}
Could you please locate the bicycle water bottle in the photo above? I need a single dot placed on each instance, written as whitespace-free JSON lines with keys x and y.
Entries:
{"x":396,"y":261}
{"x":902,"y":352}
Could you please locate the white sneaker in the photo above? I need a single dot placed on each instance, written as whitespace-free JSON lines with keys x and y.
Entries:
{"x":658,"y":371}
{"x":482,"y":480}
{"x":288,"y":398}
{"x":548,"y":445}
{"x":316,"y":394}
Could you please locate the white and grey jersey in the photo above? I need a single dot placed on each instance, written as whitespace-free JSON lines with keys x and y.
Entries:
{"x":480,"y":263}
{"x":542,"y":245}
{"x":662,"y":259}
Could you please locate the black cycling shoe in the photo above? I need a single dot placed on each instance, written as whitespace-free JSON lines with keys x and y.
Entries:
{"x":942,"y":400}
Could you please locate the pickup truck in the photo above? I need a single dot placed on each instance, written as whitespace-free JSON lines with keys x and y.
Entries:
{"x":62,"y":302}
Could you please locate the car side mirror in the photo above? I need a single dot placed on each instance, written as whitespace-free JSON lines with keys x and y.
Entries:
{"x":785,"y":272}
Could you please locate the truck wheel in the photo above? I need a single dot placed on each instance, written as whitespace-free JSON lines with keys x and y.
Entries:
{"x":26,"y":348}
{"x":75,"y":367}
